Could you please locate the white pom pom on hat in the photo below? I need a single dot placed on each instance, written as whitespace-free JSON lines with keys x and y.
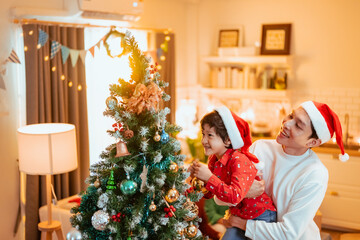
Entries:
{"x":325,"y":123}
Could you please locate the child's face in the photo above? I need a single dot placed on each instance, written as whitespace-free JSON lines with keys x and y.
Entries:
{"x":213,"y":144}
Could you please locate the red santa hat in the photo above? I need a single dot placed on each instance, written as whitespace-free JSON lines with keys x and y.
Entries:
{"x":325,"y":123}
{"x":239,"y":133}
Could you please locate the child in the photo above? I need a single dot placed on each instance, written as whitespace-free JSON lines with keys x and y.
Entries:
{"x":231,"y":171}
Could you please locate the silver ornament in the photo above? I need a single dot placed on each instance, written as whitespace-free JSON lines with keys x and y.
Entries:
{"x":73,"y":234}
{"x":100,"y":219}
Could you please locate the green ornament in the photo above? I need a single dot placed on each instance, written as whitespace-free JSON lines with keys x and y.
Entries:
{"x":128,"y":187}
{"x":129,"y":238}
{"x":110,"y":185}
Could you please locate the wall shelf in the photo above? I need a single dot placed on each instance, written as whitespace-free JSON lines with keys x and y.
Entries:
{"x":267,"y":94}
{"x":273,"y":60}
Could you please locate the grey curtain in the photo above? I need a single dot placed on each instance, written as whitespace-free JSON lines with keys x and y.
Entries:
{"x":50,"y":98}
{"x":168,"y":71}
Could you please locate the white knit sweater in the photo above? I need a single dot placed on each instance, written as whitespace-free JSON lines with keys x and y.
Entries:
{"x":297,"y":185}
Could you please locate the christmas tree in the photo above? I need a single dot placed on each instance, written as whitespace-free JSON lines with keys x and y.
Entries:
{"x":138,"y":189}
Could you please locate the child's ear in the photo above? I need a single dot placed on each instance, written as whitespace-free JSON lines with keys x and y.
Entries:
{"x":227,"y":142}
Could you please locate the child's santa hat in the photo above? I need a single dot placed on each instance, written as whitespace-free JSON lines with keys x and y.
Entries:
{"x":239,"y":133}
{"x":325,"y":123}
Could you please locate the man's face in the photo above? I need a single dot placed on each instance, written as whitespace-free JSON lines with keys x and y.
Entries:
{"x":295,"y":132}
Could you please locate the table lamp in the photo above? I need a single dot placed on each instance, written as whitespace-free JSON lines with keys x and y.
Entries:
{"x":47,"y":149}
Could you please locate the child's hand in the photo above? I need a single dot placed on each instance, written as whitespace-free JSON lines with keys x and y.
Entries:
{"x":201,"y":171}
{"x":191,"y":168}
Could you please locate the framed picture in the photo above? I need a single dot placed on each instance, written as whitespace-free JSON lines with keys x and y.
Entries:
{"x":275,"y":39}
{"x":229,"y":38}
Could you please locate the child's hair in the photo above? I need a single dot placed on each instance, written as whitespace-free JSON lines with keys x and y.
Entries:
{"x":213,"y":119}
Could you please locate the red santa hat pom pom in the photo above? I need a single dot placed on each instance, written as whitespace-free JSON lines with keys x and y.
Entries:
{"x":344,"y":157}
{"x":260,"y":166}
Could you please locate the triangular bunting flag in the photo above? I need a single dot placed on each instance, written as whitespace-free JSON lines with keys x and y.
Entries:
{"x":74,"y":55}
{"x":65,"y":51}
{"x":55,"y":47}
{"x":92,"y":50}
{"x":83,"y":55}
{"x":13,"y":57}
{"x":43,"y":37}
{"x":2,"y":83}
{"x":98,"y":44}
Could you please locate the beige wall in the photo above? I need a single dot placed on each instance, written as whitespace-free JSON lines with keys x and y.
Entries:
{"x":324,"y":42}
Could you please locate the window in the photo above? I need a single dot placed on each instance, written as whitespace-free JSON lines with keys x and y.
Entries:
{"x":101,"y":71}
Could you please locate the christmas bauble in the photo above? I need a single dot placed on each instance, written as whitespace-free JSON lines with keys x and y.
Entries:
{"x":180,"y":230}
{"x":173,"y":167}
{"x":100,"y":219}
{"x":97,"y":183}
{"x":73,"y":234}
{"x":198,"y":185}
{"x":193,"y":210}
{"x":111,"y":100}
{"x":157,"y":137}
{"x":164,"y":137}
{"x":128,"y":187}
{"x":172,"y":195}
{"x":152,"y":206}
{"x":191,"y":231}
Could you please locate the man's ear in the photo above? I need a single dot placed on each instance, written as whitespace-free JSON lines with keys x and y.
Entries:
{"x":313,"y":142}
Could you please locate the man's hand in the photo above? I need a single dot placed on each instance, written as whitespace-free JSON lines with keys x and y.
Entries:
{"x":238,"y":222}
{"x":256,"y":189}
{"x":201,"y":171}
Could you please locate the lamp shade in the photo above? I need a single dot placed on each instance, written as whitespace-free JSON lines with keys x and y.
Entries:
{"x":47,"y":148}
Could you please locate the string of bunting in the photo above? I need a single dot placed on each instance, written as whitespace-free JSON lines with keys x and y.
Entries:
{"x":74,"y":54}
{"x":55,"y":47}
{"x":13,"y":57}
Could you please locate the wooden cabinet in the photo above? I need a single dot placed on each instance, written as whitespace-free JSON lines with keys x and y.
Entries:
{"x":341,"y":205}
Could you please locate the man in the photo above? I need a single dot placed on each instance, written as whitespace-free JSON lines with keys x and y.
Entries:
{"x":294,"y":176}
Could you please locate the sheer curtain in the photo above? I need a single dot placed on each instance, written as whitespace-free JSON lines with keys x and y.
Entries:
{"x":55,"y":92}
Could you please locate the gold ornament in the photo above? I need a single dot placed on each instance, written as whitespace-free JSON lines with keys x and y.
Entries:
{"x":109,"y":100}
{"x":173,"y":167}
{"x":193,"y":210}
{"x":180,"y":231}
{"x":199,"y":185}
{"x":97,"y":183}
{"x":191,"y":231}
{"x":172,"y":195}
{"x":152,"y":206}
{"x":157,"y":137}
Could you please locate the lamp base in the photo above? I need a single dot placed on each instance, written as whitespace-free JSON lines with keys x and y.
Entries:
{"x":47,"y":230}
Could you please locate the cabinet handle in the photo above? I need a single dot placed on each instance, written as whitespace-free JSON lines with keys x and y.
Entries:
{"x":333,"y":193}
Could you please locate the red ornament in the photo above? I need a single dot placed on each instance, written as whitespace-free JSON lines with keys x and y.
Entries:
{"x":117,"y":127}
{"x":117,"y":217}
{"x":170,"y":211}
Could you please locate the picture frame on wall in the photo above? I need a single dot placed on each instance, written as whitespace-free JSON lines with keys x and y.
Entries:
{"x":275,"y":39}
{"x":229,"y":38}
